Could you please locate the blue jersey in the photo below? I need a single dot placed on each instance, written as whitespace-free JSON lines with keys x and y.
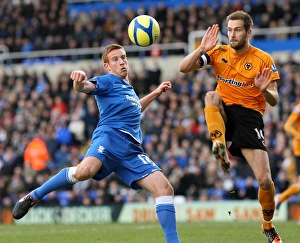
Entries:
{"x":117,"y":139}
{"x":118,"y":104}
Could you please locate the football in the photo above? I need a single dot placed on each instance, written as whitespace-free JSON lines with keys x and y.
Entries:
{"x":143,"y":30}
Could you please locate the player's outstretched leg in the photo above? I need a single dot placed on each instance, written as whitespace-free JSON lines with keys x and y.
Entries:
{"x":272,"y":235}
{"x":64,"y":178}
{"x":220,"y":153}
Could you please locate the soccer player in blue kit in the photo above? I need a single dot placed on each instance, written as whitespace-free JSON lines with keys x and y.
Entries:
{"x":116,"y":142}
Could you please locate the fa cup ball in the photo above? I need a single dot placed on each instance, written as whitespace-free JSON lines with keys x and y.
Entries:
{"x":143,"y":30}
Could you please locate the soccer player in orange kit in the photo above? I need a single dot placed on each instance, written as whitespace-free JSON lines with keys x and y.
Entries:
{"x":246,"y":81}
{"x":292,"y":127}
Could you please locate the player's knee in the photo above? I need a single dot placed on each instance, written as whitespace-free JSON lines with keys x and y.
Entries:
{"x":170,"y":191}
{"x":83,"y":173}
{"x":212,"y":98}
{"x":166,"y":190}
{"x":265,"y":182}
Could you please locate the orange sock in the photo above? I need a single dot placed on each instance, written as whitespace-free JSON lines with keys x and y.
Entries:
{"x":267,"y":202}
{"x":215,"y":123}
{"x":290,"y":191}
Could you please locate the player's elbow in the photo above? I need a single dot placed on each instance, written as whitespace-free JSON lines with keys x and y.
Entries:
{"x":273,"y":100}
{"x":184,"y":68}
{"x":181,"y":69}
{"x":273,"y":103}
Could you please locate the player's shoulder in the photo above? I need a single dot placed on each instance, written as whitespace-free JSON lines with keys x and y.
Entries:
{"x":103,"y":78}
{"x":104,"y":82}
{"x":259,"y":52}
{"x":221,"y":48}
{"x":218,"y":50}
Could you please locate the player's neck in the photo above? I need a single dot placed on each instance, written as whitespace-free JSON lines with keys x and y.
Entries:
{"x":242,"y":50}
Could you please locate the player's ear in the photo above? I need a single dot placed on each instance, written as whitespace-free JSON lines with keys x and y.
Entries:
{"x":249,"y":33}
{"x":106,"y":66}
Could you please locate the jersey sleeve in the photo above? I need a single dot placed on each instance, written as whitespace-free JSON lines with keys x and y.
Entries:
{"x":103,"y":85}
{"x":204,"y":60}
{"x":208,"y":57}
{"x":271,"y":64}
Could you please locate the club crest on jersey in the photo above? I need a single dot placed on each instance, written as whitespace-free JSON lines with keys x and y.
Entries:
{"x":100,"y":149}
{"x":248,"y":66}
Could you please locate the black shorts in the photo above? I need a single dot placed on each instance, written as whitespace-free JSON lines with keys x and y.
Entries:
{"x":244,"y":128}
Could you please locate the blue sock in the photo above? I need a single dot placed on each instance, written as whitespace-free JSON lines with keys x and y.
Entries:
{"x":167,"y":220}
{"x":58,"y":181}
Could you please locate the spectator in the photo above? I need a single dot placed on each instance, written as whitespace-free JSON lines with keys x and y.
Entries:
{"x":77,"y":128}
{"x":8,"y":162}
{"x":36,"y":155}
{"x":63,"y":134}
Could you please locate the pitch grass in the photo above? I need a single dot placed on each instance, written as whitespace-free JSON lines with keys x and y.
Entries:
{"x":208,"y":232}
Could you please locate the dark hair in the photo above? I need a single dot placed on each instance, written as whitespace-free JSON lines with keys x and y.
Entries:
{"x":108,"y":49}
{"x":241,"y":15}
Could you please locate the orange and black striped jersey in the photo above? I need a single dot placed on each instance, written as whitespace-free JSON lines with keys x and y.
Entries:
{"x":292,"y":126}
{"x":235,"y":75}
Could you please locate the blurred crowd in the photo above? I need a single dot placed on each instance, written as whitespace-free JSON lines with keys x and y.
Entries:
{"x":45,"y":125}
{"x":33,"y":25}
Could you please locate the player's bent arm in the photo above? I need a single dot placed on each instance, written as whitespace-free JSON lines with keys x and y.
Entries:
{"x":271,"y":93}
{"x":80,"y":83}
{"x":84,"y":86}
{"x":209,"y":41}
{"x":191,"y":61}
{"x":163,"y":87}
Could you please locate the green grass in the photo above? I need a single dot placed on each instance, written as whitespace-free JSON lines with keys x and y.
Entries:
{"x":208,"y":232}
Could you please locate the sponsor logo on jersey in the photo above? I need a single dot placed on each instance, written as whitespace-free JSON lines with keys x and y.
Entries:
{"x":232,"y":81}
{"x":133,"y":101}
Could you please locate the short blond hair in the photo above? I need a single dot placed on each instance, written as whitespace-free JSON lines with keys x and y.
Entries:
{"x":108,"y":49}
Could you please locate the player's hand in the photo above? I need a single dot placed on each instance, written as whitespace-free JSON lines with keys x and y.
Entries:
{"x":80,"y":83}
{"x":263,"y":79}
{"x":210,"y":39}
{"x":164,"y":86}
{"x":78,"y":76}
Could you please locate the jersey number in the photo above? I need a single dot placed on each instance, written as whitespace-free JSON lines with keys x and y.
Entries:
{"x":259,"y":133}
{"x":144,"y":158}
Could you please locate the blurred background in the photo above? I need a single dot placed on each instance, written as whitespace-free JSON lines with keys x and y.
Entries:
{"x":42,"y":41}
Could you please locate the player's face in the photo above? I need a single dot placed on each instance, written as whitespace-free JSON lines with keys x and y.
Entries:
{"x":238,"y":37}
{"x":117,"y":63}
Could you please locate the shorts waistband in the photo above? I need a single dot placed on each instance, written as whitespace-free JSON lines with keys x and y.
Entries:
{"x":126,"y":136}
